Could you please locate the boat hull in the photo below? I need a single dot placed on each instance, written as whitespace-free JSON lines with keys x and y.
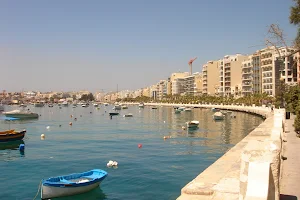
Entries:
{"x":112,"y":114}
{"x":192,"y":126}
{"x":51,"y":192}
{"x":12,"y":136}
{"x":23,"y":116}
{"x":218,"y":117}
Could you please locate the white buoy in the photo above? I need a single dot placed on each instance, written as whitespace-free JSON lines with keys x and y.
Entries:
{"x":164,"y":121}
{"x":112,"y":163}
{"x":48,"y":127}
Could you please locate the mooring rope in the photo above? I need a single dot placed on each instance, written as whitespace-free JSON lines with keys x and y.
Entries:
{"x":38,"y":190}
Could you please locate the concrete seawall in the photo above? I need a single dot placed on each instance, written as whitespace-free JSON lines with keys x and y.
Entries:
{"x":249,"y":170}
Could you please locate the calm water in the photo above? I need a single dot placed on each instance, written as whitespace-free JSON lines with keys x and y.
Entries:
{"x":158,"y":170}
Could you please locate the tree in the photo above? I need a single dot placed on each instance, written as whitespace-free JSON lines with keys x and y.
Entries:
{"x":295,"y":19}
{"x":87,"y":97}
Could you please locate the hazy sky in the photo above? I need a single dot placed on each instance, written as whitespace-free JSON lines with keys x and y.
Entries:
{"x":74,"y":45}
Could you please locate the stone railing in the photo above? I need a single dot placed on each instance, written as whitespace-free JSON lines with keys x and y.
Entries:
{"x":249,"y":170}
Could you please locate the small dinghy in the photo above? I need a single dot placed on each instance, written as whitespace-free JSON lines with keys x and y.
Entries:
{"x":72,"y":184}
{"x":113,"y":113}
{"x":188,"y":109}
{"x":218,"y":116}
{"x":192,"y":124}
{"x":128,"y":115}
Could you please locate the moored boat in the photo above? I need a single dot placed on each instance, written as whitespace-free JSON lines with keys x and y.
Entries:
{"x":218,"y":116}
{"x":188,"y":109}
{"x":192,"y":124}
{"x":128,"y":115}
{"x":72,"y":184}
{"x":39,"y":104}
{"x":65,"y":104}
{"x":181,"y":108}
{"x":11,"y":135}
{"x":95,"y":105}
{"x":113,"y":113}
{"x":21,"y":114}
{"x":124,"y":107}
{"x":105,"y":104}
{"x":141,"y":105}
{"x":50,"y":105}
{"x":117,"y":107}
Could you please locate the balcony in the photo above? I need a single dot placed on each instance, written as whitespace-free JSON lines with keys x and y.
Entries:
{"x":247,"y":78}
{"x":247,"y":72}
{"x":246,"y":66}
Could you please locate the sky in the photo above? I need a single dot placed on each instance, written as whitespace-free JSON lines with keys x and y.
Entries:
{"x":96,"y":45}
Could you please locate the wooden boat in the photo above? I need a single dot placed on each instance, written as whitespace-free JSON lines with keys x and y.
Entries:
{"x":188,"y":109}
{"x":218,"y":116}
{"x":95,"y":105}
{"x":11,"y":135}
{"x":124,"y":107}
{"x":192,"y":124}
{"x":113,"y":113}
{"x":154,"y":108}
{"x":181,"y":108}
{"x":39,"y":104}
{"x":141,"y":105}
{"x":128,"y":115}
{"x":21,"y":114}
{"x":117,"y":107}
{"x":72,"y":184}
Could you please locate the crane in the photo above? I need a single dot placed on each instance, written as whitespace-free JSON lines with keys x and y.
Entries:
{"x":191,"y":63}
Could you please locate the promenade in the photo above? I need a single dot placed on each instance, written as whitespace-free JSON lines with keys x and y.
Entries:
{"x":290,"y":176}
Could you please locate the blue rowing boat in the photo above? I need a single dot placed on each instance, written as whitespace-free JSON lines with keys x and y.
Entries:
{"x":72,"y":184}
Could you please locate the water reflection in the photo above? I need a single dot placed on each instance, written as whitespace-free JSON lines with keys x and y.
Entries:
{"x":95,"y":194}
{"x":13,"y":145}
{"x":9,"y":151}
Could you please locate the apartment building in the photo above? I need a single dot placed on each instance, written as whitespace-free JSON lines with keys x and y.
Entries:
{"x":251,"y":75}
{"x":276,"y":66}
{"x":175,"y":76}
{"x":230,"y":73}
{"x":162,"y":88}
{"x":210,"y":78}
{"x":146,"y":92}
{"x":184,"y":86}
{"x":198,"y":84}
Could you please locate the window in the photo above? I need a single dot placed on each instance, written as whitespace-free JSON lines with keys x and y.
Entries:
{"x":289,"y":79}
{"x":289,"y":72}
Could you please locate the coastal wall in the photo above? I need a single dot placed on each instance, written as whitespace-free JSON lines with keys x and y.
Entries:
{"x":249,"y":170}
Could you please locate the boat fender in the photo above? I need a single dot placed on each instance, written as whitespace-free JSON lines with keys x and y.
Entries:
{"x":22,"y":147}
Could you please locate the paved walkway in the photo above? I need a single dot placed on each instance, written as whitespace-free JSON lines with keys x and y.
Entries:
{"x":290,"y":176}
